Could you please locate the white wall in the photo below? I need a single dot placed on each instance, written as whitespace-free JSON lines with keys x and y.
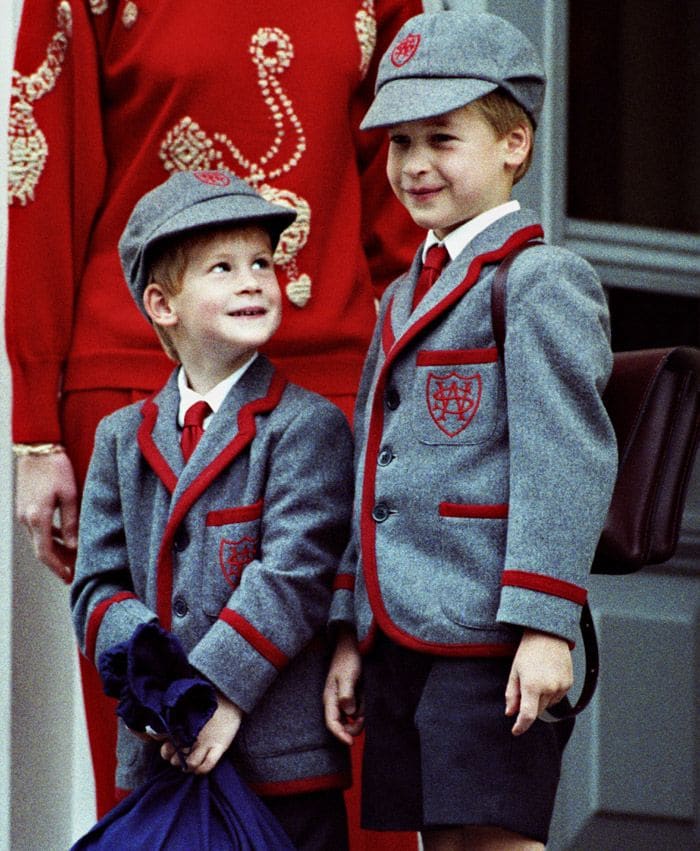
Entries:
{"x":46,"y":786}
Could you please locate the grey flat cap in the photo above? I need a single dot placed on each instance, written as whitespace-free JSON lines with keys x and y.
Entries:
{"x":440,"y":61}
{"x":189,"y":200}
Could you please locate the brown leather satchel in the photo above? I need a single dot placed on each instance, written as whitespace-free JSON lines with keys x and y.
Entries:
{"x":653,"y":400}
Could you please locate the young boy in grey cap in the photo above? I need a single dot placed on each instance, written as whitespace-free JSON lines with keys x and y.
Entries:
{"x":482,"y":482}
{"x":212,"y":508}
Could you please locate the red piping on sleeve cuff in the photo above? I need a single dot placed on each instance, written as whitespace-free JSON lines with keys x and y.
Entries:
{"x":341,"y":780}
{"x":545,"y":585}
{"x":256,"y":639}
{"x":96,"y":619}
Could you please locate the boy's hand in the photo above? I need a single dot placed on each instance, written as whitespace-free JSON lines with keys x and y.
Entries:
{"x":214,"y":739}
{"x":541,"y":675}
{"x":343,"y":707}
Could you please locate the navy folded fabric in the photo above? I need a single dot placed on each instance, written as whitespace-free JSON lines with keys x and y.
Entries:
{"x":157,"y":687}
{"x":183,"y":812}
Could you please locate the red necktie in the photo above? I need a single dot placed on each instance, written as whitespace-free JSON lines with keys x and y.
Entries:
{"x":193,"y":428}
{"x":433,"y":264}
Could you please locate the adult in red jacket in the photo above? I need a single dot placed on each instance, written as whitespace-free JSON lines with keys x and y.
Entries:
{"x":109,"y":97}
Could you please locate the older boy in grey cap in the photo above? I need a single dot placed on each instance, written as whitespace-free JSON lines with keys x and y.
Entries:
{"x":209,"y":507}
{"x":482,"y":482}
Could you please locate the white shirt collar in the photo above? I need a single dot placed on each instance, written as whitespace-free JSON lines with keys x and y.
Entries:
{"x":457,"y":240}
{"x":214,"y":398}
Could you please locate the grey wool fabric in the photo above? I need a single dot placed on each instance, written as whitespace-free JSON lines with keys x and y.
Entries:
{"x":237,"y":549}
{"x":481,"y":486}
{"x":440,"y":61}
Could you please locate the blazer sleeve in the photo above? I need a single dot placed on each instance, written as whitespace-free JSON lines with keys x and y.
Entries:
{"x":104,"y":606}
{"x":282,"y":601}
{"x":57,"y":172}
{"x":563,"y":457}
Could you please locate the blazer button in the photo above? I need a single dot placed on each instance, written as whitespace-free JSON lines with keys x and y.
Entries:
{"x":180,"y":607}
{"x":386,"y":456}
{"x":181,"y":540}
{"x":393,"y":400}
{"x":380,"y":513}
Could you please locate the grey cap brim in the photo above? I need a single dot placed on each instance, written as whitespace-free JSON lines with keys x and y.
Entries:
{"x":211,"y":212}
{"x":415,"y":98}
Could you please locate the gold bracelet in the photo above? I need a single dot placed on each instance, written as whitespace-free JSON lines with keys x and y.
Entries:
{"x":22,"y":450}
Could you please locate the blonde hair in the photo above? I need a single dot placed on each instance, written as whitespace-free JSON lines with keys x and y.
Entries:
{"x":167,"y":270}
{"x":503,"y":114}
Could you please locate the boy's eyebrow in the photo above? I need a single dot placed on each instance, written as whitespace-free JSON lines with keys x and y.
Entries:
{"x":438,"y":122}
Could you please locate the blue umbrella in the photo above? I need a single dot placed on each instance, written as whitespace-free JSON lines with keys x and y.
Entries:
{"x":173,"y":811}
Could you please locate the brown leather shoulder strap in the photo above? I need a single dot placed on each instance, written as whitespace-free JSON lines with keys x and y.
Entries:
{"x":498,"y":294}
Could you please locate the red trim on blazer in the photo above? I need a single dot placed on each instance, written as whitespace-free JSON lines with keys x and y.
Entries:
{"x":472,"y":276}
{"x":240,"y":514}
{"x":96,"y":618}
{"x":255,"y":638}
{"x":485,"y":512}
{"x":456,"y":356}
{"x":545,"y":584}
{"x":244,"y":436}
{"x":340,"y":780}
{"x":388,"y":337}
{"x":461,"y":651}
{"x":368,"y":528}
{"x":344,"y":582}
{"x":149,"y":450}
{"x":367,"y":642}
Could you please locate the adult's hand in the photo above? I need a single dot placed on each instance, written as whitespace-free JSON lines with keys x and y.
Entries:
{"x":45,"y":488}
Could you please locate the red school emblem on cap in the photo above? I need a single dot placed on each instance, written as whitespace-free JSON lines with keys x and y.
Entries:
{"x":234,"y":556}
{"x":405,"y":49}
{"x":213,"y":178}
{"x":453,"y":400}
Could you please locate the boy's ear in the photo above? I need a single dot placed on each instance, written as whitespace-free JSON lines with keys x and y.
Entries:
{"x":157,"y":305}
{"x":518,"y":142}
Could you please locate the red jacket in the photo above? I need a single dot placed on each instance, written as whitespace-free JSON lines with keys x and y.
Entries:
{"x":109,"y":97}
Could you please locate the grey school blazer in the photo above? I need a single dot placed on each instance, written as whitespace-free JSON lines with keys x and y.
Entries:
{"x":481,"y":486}
{"x":235,"y":552}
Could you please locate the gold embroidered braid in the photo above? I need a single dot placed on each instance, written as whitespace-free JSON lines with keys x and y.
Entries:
{"x":28,"y":148}
{"x":187,"y":146}
{"x":22,"y":450}
{"x":366,"y":30}
{"x":130,"y":14}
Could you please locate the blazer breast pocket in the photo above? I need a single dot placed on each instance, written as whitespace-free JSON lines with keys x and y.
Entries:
{"x":232,"y":542}
{"x":456,"y":396}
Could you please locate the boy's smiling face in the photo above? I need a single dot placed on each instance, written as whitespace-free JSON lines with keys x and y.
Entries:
{"x":448,"y":169}
{"x":229,"y":304}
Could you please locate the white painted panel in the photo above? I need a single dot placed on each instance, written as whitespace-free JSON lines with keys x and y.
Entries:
{"x":646,"y":699}
{"x":629,"y":778}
